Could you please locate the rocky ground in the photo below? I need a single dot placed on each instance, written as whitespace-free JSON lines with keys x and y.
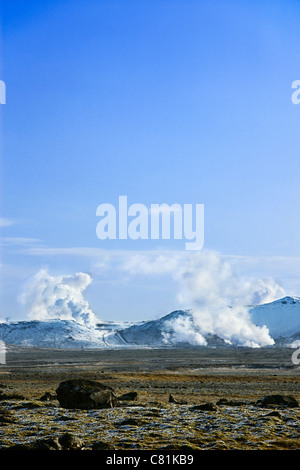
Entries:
{"x":197,"y":399}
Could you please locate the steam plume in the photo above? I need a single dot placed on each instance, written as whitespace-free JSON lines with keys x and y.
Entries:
{"x":219,"y":299}
{"x":47,"y":297}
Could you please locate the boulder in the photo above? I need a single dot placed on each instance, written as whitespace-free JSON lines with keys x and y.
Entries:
{"x":279,"y":400}
{"x":204,"y":407}
{"x":40,"y":444}
{"x":46,"y":444}
{"x":130,"y":396}
{"x":226,"y":402}
{"x":130,"y":422}
{"x":70,"y":442}
{"x":273,"y":414}
{"x":85,"y":395}
{"x":48,"y":397}
{"x":65,"y":442}
{"x":174,"y":400}
{"x":100,"y":445}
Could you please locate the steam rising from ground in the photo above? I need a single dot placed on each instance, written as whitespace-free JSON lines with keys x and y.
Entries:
{"x":47,"y":297}
{"x":218,"y":300}
{"x":216,"y":297}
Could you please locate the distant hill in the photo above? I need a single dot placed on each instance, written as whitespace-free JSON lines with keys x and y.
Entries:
{"x":282,"y":318}
{"x":161,"y":332}
{"x":51,"y":334}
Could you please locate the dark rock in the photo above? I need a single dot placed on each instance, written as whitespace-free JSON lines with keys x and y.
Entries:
{"x":65,"y":418}
{"x":171,"y":399}
{"x":66,"y":442}
{"x":204,"y":407}
{"x":102,"y":446}
{"x":47,"y":444}
{"x":226,"y":402}
{"x":48,"y":397}
{"x":129,"y":422}
{"x":278,"y":400}
{"x":70,"y":442}
{"x":130,"y":396}
{"x":178,"y":402}
{"x":85,"y":394}
{"x":41,"y":444}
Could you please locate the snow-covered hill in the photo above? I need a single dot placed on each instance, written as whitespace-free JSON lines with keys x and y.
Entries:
{"x":51,"y":334}
{"x":176,"y":328}
{"x":68,"y":334}
{"x":281,"y":317}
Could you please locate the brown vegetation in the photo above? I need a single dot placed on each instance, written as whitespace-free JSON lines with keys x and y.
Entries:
{"x":216,"y":399}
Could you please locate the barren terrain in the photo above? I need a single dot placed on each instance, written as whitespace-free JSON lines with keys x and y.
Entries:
{"x":215,"y":398}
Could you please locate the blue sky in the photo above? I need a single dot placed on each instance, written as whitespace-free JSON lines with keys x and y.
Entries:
{"x":162,"y":101}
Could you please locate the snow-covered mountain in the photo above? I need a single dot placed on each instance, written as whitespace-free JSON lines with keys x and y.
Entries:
{"x":61,"y":334}
{"x":175,"y":328}
{"x":281,"y":317}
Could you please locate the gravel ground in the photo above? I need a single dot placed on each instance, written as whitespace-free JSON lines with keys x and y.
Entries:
{"x":195,"y":376}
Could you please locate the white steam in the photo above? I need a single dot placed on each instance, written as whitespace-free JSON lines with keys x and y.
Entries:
{"x":47,"y":297}
{"x":218,"y":300}
{"x":182,"y":330}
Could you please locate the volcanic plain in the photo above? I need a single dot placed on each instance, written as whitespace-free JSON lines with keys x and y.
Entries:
{"x":183,"y":398}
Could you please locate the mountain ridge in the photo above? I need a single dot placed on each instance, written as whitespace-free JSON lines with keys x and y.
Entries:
{"x":281,"y":317}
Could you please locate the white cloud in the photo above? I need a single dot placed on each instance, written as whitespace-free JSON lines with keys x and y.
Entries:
{"x":20,"y":241}
{"x":152,"y":263}
{"x":5,"y":222}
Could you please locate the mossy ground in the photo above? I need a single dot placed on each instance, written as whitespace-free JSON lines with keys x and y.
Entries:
{"x":151,"y":422}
